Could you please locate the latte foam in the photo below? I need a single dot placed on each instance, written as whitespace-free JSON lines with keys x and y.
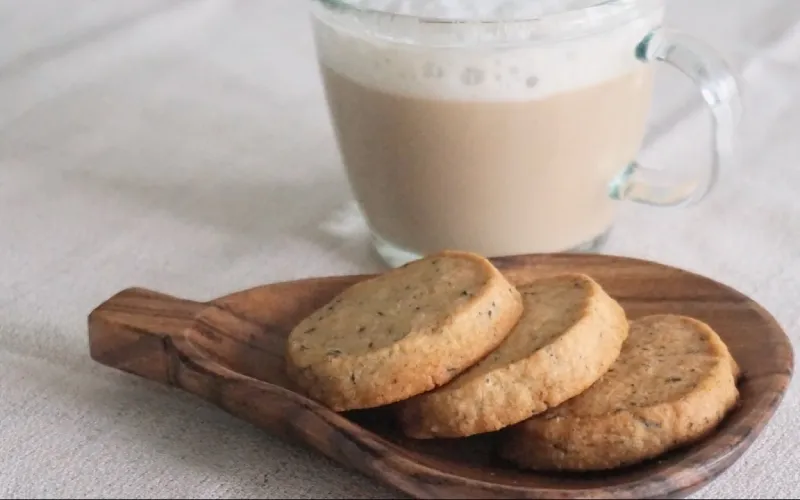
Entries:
{"x":411,"y":58}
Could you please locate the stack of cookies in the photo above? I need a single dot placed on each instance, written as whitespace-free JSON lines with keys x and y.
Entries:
{"x":458,"y":350}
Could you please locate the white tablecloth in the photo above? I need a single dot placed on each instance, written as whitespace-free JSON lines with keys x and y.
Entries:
{"x":184,"y":146}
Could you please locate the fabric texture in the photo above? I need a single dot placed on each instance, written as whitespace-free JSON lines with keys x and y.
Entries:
{"x":184,"y":146}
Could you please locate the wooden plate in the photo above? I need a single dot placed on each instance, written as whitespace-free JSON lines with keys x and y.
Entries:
{"x":229,"y":351}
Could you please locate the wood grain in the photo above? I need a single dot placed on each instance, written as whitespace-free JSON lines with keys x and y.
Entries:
{"x":229,"y":351}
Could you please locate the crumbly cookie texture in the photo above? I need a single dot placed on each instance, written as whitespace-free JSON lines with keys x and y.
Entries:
{"x":569,"y":335}
{"x":672,"y":384}
{"x":402,"y":333}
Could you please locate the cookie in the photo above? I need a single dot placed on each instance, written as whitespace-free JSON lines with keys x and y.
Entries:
{"x":402,"y":333}
{"x":673,"y":383}
{"x":569,"y":334}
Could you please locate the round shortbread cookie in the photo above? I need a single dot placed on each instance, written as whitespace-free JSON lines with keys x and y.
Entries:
{"x":673,"y":383}
{"x":569,"y":334}
{"x":403,"y":332}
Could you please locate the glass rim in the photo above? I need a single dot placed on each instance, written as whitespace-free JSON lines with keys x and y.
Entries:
{"x":347,"y":7}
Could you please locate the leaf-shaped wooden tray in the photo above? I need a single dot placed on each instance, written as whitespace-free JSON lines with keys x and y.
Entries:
{"x":229,"y":351}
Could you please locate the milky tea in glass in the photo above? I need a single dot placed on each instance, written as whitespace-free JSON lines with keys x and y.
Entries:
{"x":505,"y":131}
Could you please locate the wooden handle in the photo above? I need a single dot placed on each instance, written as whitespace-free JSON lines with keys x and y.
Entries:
{"x":150,"y":334}
{"x":135,"y":329}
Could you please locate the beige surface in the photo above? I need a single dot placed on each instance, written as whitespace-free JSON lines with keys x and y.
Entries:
{"x":184,"y":146}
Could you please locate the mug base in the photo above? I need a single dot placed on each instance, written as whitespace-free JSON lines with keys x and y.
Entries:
{"x":395,"y":256}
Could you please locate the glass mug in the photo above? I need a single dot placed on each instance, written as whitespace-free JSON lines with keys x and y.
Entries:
{"x":509,"y":132}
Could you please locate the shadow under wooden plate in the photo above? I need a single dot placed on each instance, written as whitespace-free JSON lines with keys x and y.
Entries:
{"x":230,"y":351}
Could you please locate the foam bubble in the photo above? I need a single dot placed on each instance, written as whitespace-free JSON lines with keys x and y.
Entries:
{"x":485,"y":66}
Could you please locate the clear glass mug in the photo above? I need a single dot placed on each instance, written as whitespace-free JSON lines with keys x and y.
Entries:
{"x":509,"y":132}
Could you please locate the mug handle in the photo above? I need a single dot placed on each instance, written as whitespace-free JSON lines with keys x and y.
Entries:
{"x":720,"y":91}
